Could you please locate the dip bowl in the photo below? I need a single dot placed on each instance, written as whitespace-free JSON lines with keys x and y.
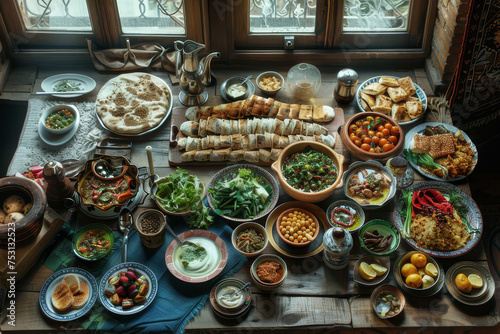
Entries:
{"x":312,"y":197}
{"x":250,"y":89}
{"x":235,"y":285}
{"x":267,"y":286}
{"x":259,"y":228}
{"x":59,"y":107}
{"x":351,"y":206}
{"x":95,"y":228}
{"x":268,"y":74}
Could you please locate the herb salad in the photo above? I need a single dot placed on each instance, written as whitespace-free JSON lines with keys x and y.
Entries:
{"x":310,"y":171}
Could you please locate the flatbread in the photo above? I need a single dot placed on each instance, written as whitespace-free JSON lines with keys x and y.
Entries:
{"x":133,"y":103}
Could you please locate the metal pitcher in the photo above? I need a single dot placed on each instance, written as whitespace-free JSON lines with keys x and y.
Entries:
{"x":194,"y":75}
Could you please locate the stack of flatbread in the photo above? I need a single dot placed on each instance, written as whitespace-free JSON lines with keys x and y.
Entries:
{"x":71,"y":293}
{"x":133,"y":103}
{"x":394,"y":97}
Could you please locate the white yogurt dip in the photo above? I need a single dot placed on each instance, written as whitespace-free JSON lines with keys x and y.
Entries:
{"x":202,"y":266}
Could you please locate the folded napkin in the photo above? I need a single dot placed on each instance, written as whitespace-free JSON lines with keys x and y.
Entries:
{"x":132,"y":58}
{"x":177,"y":302}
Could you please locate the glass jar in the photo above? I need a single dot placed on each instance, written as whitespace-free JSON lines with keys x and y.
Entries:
{"x":304,"y":81}
{"x":338,"y":244}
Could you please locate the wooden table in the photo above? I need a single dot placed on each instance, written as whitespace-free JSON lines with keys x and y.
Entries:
{"x":312,"y":295}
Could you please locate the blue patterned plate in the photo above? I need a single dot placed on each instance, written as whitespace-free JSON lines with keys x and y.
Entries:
{"x":419,"y":129}
{"x":48,"y":287}
{"x":420,"y":94}
{"x":473,"y":216}
{"x":141,"y":270}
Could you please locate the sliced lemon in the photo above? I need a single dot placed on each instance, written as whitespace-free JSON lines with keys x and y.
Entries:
{"x":379,"y":270}
{"x":431,"y":270}
{"x":476,"y":281}
{"x":427,"y":281}
{"x":366,"y":271}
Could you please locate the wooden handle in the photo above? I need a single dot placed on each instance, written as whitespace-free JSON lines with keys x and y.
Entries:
{"x":174,"y":130}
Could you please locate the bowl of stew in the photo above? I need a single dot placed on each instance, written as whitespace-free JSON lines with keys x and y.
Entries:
{"x":60,"y":118}
{"x":93,"y":242}
{"x":250,"y":239}
{"x":268,"y":271}
{"x":309,"y":171}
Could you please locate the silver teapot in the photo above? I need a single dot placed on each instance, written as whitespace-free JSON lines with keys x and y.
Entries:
{"x":194,"y":75}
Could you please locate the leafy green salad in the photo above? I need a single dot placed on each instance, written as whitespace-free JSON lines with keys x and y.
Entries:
{"x":241,"y":195}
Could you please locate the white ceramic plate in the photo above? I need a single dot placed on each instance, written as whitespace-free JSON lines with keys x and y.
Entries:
{"x":420,"y":94}
{"x":48,"y":287}
{"x":419,"y":129}
{"x":141,"y":270}
{"x":87,"y":84}
{"x":53,"y":139}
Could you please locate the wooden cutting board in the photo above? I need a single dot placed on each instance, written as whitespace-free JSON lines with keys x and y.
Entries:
{"x":178,"y":117}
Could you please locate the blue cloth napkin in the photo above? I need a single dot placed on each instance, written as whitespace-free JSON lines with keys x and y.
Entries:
{"x":177,"y":302}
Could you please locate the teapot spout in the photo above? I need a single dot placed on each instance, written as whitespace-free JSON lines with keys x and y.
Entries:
{"x":206,"y":74}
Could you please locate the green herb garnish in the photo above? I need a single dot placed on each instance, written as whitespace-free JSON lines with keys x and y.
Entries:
{"x":67,"y":86}
{"x":425,"y":160}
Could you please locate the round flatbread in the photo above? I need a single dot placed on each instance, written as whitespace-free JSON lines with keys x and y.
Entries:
{"x":133,"y":103}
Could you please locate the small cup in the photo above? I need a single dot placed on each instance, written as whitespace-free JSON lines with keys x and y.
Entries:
{"x":151,"y":240}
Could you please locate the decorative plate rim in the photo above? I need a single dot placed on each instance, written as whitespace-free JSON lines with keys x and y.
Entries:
{"x":474,"y":300}
{"x":419,"y":129}
{"x":376,"y":79}
{"x":90,"y":280}
{"x":67,"y":76}
{"x":197,"y":233}
{"x":268,"y":176}
{"x":471,"y":204}
{"x":136,"y":309}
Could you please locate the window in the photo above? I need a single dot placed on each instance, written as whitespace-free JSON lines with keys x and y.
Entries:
{"x":55,"y":15}
{"x":386,"y":26}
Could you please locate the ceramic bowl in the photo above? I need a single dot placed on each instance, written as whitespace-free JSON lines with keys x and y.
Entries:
{"x":384,"y":228}
{"x":265,"y":285}
{"x":477,"y":296}
{"x":28,"y":227}
{"x":385,"y":289}
{"x":356,"y":168}
{"x":319,"y":196}
{"x":233,"y":170}
{"x":285,"y":214}
{"x":96,"y":227}
{"x":267,"y":74}
{"x":58,"y":107}
{"x":259,"y":228}
{"x":230,"y":313}
{"x":353,"y":207}
{"x":467,"y":270}
{"x":235,"y":283}
{"x":402,"y":260}
{"x":174,"y":213}
{"x":383,"y":261}
{"x":250,"y":88}
{"x":365,"y":155}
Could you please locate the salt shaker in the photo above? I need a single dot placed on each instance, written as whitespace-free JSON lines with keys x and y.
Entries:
{"x":347,"y":79}
{"x":338,"y":243}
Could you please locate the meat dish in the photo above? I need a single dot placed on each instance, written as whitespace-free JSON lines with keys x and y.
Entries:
{"x":369,"y":186}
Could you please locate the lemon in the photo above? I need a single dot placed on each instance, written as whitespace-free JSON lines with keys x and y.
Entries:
{"x":366,"y":271}
{"x":414,"y":280}
{"x":379,"y":270}
{"x":476,"y":281}
{"x":427,"y":281}
{"x":431,"y":270}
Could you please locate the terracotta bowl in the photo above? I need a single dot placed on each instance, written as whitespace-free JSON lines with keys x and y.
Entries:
{"x":337,"y":159}
{"x":27,"y":228}
{"x":285,"y":213}
{"x":259,"y":228}
{"x":364,"y":155}
{"x":265,"y":285}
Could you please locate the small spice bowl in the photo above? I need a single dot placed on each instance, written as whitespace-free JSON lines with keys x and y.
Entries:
{"x":151,"y":226}
{"x":376,"y":300}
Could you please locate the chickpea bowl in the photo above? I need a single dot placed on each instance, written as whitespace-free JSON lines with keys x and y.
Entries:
{"x":297,"y":227}
{"x":270,"y":82}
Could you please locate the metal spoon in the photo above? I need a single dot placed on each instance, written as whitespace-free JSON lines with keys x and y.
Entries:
{"x":126,"y":223}
{"x":244,"y":81}
{"x":235,"y":292}
{"x":179,"y":241}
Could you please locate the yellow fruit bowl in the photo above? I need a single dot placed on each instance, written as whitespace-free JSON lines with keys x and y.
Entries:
{"x":371,"y":270}
{"x":417,"y":272}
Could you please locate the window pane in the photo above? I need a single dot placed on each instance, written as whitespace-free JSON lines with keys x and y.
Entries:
{"x":376,"y":15}
{"x":165,"y":17}
{"x":282,"y":16}
{"x":55,"y":15}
